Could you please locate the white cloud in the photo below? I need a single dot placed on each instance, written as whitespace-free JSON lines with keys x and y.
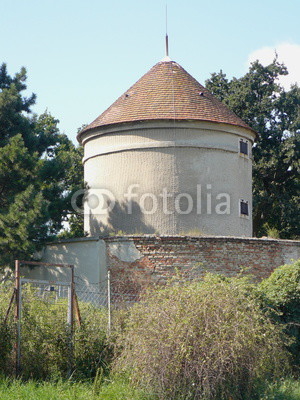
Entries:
{"x":288,"y":53}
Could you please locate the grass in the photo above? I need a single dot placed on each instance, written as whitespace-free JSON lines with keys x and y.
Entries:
{"x":120,"y":390}
{"x":65,"y":390}
{"x":288,"y":389}
{"x":18,"y":390}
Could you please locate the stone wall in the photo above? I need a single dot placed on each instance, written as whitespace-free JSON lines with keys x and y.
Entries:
{"x":139,"y":261}
{"x":136,"y":261}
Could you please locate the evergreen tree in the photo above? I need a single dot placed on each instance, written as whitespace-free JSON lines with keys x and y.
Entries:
{"x":39,"y":169}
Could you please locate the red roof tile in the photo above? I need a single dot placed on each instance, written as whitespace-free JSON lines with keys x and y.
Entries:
{"x":166,"y":92}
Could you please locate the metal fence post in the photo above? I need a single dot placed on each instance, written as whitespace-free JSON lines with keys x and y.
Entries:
{"x":108,"y":303}
{"x":71,"y":320}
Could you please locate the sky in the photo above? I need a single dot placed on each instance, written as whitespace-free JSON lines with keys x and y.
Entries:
{"x":81,"y":55}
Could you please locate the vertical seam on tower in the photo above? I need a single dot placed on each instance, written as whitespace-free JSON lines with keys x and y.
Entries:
{"x":174,"y":147}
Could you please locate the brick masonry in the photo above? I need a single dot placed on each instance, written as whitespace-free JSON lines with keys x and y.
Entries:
{"x":137,"y":261}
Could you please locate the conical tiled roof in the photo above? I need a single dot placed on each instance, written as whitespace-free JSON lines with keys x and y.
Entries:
{"x":166,"y":92}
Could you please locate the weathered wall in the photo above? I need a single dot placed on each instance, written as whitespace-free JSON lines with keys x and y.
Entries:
{"x":195,"y":163}
{"x":137,"y":261}
{"x":88,"y":255}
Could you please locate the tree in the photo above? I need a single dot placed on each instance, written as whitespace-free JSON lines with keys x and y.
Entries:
{"x":274,"y":114}
{"x":39,"y":169}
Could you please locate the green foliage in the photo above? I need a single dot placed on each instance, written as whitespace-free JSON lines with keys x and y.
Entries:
{"x":67,"y":390}
{"x":6,"y":346}
{"x":44,"y":390}
{"x":19,"y":226}
{"x":202,"y":341}
{"x":274,"y":114}
{"x":281,"y":293}
{"x":61,"y":175}
{"x":220,"y":338}
{"x":271,"y":232}
{"x":45,"y":338}
{"x":114,"y":390}
{"x":21,"y":203}
{"x":7,"y":329}
{"x":288,"y":389}
{"x":122,"y":389}
{"x":40,"y":168}
{"x":94,"y":350}
{"x":13,"y":106}
{"x":282,"y":287}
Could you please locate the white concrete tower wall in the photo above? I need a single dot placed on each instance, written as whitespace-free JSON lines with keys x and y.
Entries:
{"x":168,"y":177}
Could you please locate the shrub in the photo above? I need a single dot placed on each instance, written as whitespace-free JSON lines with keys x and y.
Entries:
{"x":288,"y":389}
{"x":202,"y":341}
{"x":7,"y":331}
{"x":45,"y":339}
{"x":281,"y":293}
{"x":93,"y":349}
{"x":6,"y":347}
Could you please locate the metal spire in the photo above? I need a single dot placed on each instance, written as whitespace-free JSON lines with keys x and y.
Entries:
{"x":167,"y":46}
{"x":167,"y":38}
{"x":167,"y":58}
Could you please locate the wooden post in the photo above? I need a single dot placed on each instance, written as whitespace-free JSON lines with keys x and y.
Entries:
{"x":12,"y":300}
{"x":77,"y":310}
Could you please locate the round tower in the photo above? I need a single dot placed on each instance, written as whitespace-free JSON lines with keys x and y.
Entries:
{"x":168,"y":158}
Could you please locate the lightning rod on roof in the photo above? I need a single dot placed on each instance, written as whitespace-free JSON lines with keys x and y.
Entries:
{"x":167,"y":39}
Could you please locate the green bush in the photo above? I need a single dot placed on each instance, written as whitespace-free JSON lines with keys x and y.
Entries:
{"x":7,"y":329}
{"x":45,"y":338}
{"x":288,"y":389}
{"x":281,"y":293}
{"x":6,"y":347}
{"x":93,"y":348}
{"x":202,"y":341}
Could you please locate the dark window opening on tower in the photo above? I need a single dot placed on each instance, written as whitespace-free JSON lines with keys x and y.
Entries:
{"x":243,"y":147}
{"x":244,"y":209}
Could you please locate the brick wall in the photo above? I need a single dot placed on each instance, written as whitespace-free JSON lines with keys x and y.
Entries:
{"x":137,"y":261}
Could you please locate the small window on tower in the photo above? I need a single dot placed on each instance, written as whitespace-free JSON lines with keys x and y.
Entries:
{"x":244,"y":147}
{"x":244,"y":208}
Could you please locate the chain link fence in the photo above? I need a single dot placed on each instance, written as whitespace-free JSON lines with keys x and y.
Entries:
{"x":105,"y":293}
{"x":45,"y":315}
